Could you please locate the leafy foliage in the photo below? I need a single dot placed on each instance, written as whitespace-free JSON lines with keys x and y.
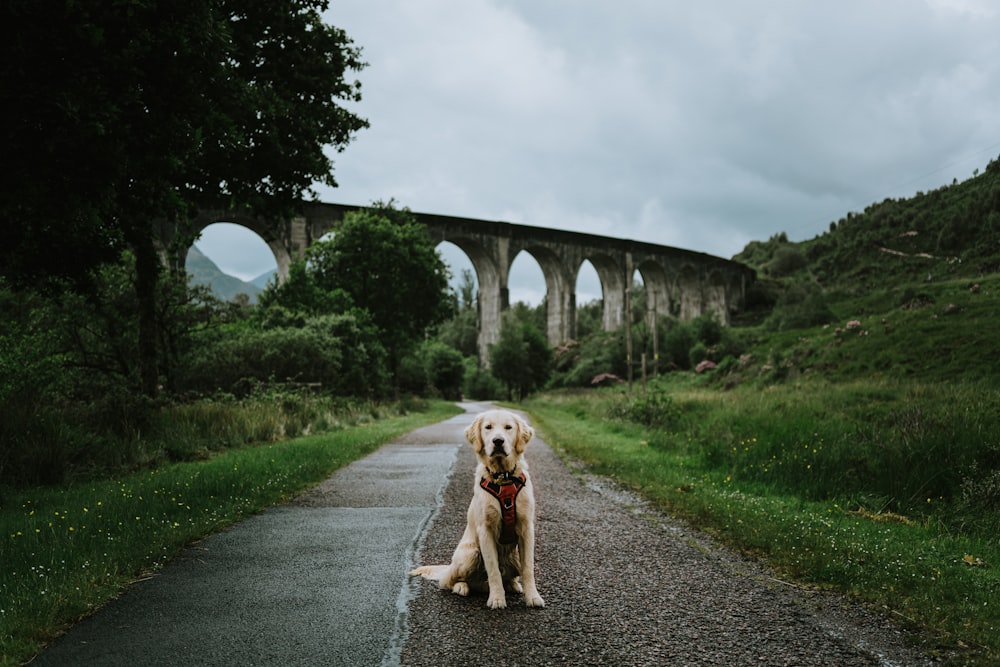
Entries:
{"x":521,"y":358}
{"x":388,"y":265}
{"x":433,"y":369}
{"x":167,"y":105}
{"x":654,"y":408}
{"x":577,"y":363}
{"x":339,"y":353}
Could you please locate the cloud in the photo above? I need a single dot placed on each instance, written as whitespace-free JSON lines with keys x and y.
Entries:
{"x":703,"y":125}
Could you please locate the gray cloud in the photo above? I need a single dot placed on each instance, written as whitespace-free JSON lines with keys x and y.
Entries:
{"x":701,"y":125}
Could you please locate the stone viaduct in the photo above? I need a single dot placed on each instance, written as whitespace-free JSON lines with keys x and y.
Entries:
{"x":678,"y":282}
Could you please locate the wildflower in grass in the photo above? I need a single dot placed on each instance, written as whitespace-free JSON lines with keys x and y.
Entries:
{"x":973,"y":561}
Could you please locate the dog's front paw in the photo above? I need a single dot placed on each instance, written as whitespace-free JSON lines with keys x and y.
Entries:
{"x":497,"y":601}
{"x":461,"y":588}
{"x":534,"y":600}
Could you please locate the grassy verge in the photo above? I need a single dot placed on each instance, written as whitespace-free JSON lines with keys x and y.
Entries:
{"x":66,"y":551}
{"x":867,"y":489}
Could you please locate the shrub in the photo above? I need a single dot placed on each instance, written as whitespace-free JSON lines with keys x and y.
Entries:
{"x":677,"y":345}
{"x":800,"y":308}
{"x":698,"y":354}
{"x":435,"y":368}
{"x":445,"y":369}
{"x":480,"y":384}
{"x":340,"y":352}
{"x":578,"y":363}
{"x":787,"y":260}
{"x":707,"y":329}
{"x":654,"y":408}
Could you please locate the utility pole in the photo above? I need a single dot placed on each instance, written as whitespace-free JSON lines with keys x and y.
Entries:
{"x":628,"y":318}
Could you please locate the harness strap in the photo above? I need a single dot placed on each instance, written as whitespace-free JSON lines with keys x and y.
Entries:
{"x":505,"y":491}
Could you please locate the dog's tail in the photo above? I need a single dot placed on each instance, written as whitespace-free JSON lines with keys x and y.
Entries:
{"x":432,"y":572}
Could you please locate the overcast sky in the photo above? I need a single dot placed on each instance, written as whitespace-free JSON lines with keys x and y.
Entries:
{"x":702,"y":125}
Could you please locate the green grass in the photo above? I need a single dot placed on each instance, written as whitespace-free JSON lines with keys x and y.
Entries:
{"x":66,"y":551}
{"x":936,"y":332}
{"x":867,"y":488}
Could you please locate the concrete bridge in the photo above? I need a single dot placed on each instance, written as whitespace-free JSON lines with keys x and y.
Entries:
{"x":678,"y":282}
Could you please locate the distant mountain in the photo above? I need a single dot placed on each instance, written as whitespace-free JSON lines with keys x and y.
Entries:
{"x":203,"y":271}
{"x":263,"y":279}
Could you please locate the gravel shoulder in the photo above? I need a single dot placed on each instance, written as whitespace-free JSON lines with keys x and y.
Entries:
{"x":626,"y":585}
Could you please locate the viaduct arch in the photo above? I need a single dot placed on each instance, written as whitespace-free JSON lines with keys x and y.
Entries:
{"x":681,"y":282}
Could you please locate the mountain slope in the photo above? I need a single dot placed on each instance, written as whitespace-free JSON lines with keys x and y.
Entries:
{"x":950,"y":232}
{"x":203,"y":271}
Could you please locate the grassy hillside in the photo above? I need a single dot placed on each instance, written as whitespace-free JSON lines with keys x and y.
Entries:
{"x":950,"y":232}
{"x":908,"y":289}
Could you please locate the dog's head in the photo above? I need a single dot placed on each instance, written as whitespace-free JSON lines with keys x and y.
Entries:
{"x":499,"y":438}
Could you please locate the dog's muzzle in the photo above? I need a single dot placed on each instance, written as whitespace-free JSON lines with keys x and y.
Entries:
{"x":498,"y":449}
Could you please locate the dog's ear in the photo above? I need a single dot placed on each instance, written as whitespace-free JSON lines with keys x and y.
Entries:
{"x":473,"y":433}
{"x":524,"y":434}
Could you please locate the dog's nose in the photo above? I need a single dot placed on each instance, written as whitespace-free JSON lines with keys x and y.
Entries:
{"x":497,"y":446}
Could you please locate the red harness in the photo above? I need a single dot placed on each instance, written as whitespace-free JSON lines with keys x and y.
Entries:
{"x":505,"y":490}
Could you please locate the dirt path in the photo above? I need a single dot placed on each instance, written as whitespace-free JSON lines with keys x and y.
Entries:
{"x":626,"y":586}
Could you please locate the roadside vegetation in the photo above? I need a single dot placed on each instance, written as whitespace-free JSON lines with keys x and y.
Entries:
{"x":886,"y":491}
{"x":69,"y":549}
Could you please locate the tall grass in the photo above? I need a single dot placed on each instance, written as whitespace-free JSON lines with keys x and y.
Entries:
{"x":897,"y":447}
{"x":55,"y":444}
{"x":65,"y":551}
{"x":881,"y":490}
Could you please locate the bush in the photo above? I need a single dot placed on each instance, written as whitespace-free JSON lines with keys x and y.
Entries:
{"x":787,"y":260}
{"x":579,"y":363}
{"x":339,"y":352}
{"x":699,"y":352}
{"x":480,"y":384}
{"x":655,"y":409}
{"x":445,"y":369}
{"x":677,"y":345}
{"x":800,"y":308}
{"x":707,"y":329}
{"x":521,"y":359}
{"x":434,"y":368}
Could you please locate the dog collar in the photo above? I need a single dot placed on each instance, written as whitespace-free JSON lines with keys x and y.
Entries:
{"x":505,"y":487}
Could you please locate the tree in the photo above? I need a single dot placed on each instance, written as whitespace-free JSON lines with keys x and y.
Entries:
{"x":120,"y":117}
{"x":300,"y":293}
{"x":461,"y":331}
{"x":385,"y":260}
{"x":521,"y":359}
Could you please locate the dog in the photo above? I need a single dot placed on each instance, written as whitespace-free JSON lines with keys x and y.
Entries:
{"x":497,"y":549}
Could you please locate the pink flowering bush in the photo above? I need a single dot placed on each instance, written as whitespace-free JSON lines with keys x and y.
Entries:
{"x":852,"y":325}
{"x":705,"y":365}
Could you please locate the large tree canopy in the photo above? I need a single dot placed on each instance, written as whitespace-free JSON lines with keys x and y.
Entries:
{"x":120,"y":113}
{"x":125,"y":114}
{"x":386,"y":262}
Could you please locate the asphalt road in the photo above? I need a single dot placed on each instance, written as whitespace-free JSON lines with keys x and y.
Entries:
{"x":322,"y":581}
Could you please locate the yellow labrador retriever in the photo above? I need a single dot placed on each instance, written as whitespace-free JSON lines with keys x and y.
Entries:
{"x":497,"y":550}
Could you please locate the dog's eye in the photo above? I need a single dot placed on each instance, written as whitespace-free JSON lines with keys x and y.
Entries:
{"x":508,"y":427}
{"x":489,"y":427}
